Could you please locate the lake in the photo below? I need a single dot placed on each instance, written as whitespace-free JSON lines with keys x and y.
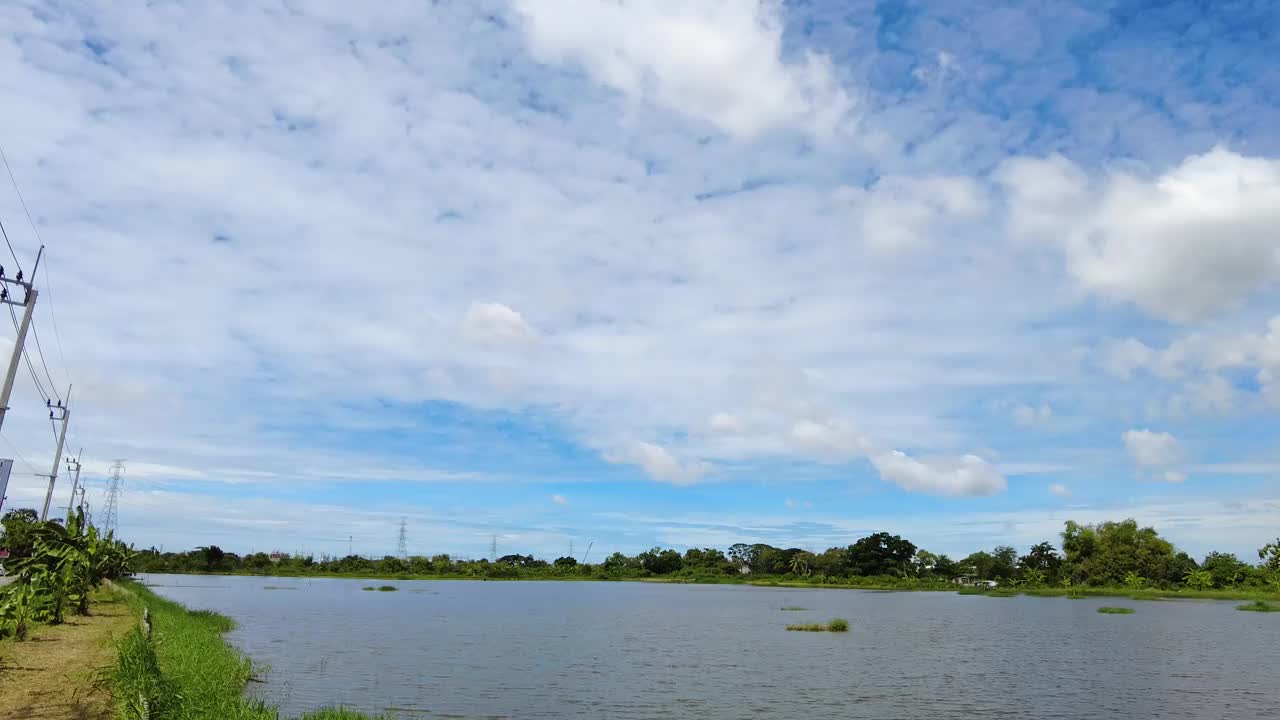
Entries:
{"x":462,"y":649}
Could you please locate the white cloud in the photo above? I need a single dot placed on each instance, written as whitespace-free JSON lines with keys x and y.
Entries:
{"x":1152,"y":449}
{"x":1029,"y":416}
{"x":1174,"y":476}
{"x":798,"y":504}
{"x":970,"y":475}
{"x":1194,"y":362}
{"x":1185,"y":245}
{"x":901,"y":213}
{"x":491,"y":323}
{"x":723,"y":422}
{"x":659,"y":464}
{"x":1060,"y":490}
{"x":716,"y":60}
{"x":559,"y":500}
{"x":834,"y":439}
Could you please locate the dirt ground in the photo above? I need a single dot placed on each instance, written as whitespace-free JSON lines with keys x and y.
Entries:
{"x":52,"y":676}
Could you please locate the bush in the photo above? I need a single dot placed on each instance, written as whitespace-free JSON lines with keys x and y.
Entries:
{"x":838,"y":625}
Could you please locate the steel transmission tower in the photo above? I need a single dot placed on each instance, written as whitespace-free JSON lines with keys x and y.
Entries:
{"x":113,"y":497}
{"x":402,"y":548}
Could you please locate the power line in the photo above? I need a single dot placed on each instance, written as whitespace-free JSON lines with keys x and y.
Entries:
{"x":40,"y":352}
{"x":6,"y":242}
{"x":47,"y":282}
{"x":27,"y":357}
{"x":14,"y":448}
{"x":53,"y":316}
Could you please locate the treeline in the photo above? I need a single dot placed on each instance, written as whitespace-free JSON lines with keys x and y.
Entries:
{"x":1105,"y":555}
{"x":57,"y":564}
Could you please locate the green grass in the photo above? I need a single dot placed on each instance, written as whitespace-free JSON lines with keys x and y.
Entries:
{"x":187,"y":671}
{"x":836,"y":625}
{"x":1258,"y":606}
{"x":380,"y":588}
{"x":793,"y":608}
{"x":1115,"y":611}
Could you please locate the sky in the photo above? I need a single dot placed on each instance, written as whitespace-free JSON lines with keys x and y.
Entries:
{"x":622,"y":274}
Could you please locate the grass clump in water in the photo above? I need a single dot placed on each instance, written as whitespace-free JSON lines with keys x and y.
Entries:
{"x":380,"y":588}
{"x":837,"y":625}
{"x":1258,"y":606}
{"x":793,"y":608}
{"x":1115,"y":611}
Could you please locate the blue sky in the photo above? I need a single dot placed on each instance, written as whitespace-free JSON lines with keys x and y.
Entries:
{"x":676,"y":273}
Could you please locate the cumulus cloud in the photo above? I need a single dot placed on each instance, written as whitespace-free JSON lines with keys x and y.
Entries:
{"x":904,"y":213}
{"x":1183,"y":245}
{"x":1060,"y":490}
{"x":970,"y":475}
{"x":1030,"y":416}
{"x":660,"y":464}
{"x":716,"y":60}
{"x":728,"y":423}
{"x":1194,"y":363}
{"x":832,"y":438}
{"x":491,"y":323}
{"x":1156,"y":454}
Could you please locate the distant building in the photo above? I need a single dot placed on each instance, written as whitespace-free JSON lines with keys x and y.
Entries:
{"x":973,"y":581}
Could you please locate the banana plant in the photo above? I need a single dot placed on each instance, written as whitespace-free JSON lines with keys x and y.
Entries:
{"x":19,"y":609}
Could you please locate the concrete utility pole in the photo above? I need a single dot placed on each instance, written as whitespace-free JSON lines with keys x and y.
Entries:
{"x":57,"y":454}
{"x":19,"y":343}
{"x":73,"y":464}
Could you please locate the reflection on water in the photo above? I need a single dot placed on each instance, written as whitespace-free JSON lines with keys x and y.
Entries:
{"x":634,"y":650}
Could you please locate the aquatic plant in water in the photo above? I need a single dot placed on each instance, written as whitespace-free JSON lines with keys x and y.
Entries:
{"x":1115,"y":611}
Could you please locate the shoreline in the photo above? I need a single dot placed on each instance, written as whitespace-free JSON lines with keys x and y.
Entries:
{"x":1084,"y":591}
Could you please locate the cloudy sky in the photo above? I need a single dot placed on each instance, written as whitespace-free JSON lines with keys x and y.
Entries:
{"x":638,"y":273}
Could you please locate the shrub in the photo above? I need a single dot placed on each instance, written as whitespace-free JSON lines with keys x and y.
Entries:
{"x":838,"y":625}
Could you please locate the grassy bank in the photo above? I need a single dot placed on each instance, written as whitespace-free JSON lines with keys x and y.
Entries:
{"x":186,"y":671}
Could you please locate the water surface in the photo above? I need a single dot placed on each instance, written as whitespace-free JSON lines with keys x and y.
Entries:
{"x":637,"y":650}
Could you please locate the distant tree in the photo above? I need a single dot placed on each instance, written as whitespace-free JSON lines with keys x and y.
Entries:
{"x":945,"y":567}
{"x":1042,"y":558}
{"x":20,"y":530}
{"x":1106,"y":553}
{"x":213,"y":557}
{"x":981,"y":564}
{"x":660,"y":562}
{"x":1269,"y":554}
{"x":1226,"y":569}
{"x":1004,"y":562}
{"x":880,"y":554}
{"x":565,"y":562}
{"x":800,"y":563}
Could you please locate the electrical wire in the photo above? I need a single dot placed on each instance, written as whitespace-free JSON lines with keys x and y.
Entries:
{"x":53,"y":316}
{"x":18,"y":454}
{"x":26,"y":356}
{"x":40,"y":352}
{"x":6,"y":242}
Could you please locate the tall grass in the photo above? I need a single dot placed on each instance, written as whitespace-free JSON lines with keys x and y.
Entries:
{"x":187,"y":671}
{"x":1258,"y":606}
{"x":1115,"y":610}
